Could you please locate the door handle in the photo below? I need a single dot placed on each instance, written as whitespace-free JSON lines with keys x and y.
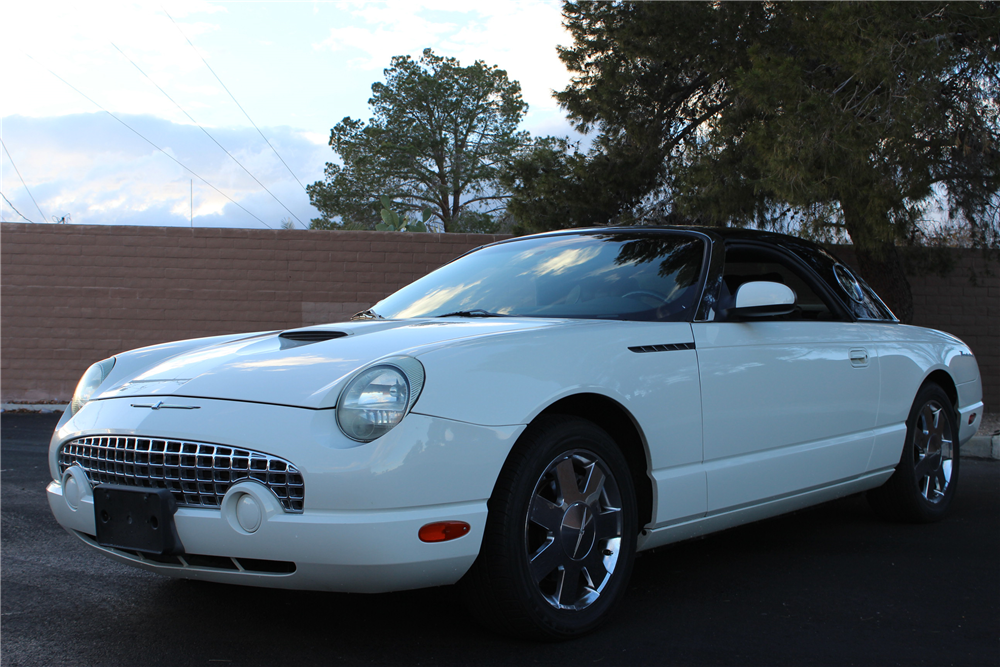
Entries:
{"x":859,"y":358}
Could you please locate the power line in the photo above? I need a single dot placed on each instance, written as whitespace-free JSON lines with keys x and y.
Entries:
{"x":136,"y":132}
{"x":22,"y":182}
{"x":12,"y":205}
{"x":233,"y":98}
{"x":209,"y":135}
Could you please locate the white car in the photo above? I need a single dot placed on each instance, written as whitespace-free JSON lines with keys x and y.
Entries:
{"x":521,"y":421}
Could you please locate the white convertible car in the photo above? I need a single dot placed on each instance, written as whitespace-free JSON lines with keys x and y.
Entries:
{"x":521,"y":421}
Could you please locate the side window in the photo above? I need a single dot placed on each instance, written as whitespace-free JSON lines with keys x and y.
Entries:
{"x":747,"y":264}
{"x":854,"y":292}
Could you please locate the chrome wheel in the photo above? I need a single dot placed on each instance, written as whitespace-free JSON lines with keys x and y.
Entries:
{"x":561,"y":534}
{"x":923,"y":486}
{"x":932,"y":452}
{"x":573,"y":530}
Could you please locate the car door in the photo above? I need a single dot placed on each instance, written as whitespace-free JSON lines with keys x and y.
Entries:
{"x":789,"y":402}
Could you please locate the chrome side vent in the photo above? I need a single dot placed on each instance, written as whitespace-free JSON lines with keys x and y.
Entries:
{"x":662,"y":348}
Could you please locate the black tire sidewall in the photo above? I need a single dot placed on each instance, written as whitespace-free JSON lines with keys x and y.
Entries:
{"x":923,"y":509}
{"x":549,"y":440}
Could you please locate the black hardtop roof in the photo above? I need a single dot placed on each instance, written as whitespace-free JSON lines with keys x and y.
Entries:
{"x":714,"y":233}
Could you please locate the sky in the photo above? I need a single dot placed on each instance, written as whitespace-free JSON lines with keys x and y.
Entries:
{"x":295,"y":68}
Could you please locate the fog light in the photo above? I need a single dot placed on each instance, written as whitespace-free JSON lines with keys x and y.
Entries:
{"x":72,"y":492}
{"x":248,"y":513}
{"x":442,"y":531}
{"x":75,"y":487}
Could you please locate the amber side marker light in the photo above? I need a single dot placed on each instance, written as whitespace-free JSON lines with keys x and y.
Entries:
{"x":972,"y":417}
{"x":442,"y":531}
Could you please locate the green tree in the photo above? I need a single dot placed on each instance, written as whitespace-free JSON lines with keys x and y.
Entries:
{"x":553,"y":185}
{"x":851,"y":116}
{"x":438,"y":137}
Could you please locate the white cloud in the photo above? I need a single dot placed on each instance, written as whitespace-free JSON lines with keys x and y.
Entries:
{"x":520,"y":37}
{"x":288,"y":64}
{"x":77,"y":42}
{"x":104,"y":174}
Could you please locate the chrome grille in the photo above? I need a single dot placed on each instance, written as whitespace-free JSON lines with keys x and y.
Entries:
{"x":197,"y":474}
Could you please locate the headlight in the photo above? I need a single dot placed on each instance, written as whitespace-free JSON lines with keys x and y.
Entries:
{"x":89,"y":383}
{"x":379,"y":397}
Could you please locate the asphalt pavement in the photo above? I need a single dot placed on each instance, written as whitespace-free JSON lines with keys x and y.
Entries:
{"x":831,"y":585}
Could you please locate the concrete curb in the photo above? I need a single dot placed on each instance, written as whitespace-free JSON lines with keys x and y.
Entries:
{"x":33,"y":407}
{"x":982,"y":447}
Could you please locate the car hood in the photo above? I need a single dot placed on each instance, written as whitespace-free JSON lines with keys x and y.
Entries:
{"x":278,"y":369}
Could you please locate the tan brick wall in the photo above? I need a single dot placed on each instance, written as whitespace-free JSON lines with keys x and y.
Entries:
{"x":969,"y":311}
{"x":74,"y":294}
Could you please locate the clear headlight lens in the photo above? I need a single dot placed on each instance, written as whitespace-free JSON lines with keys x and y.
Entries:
{"x":378,"y":398}
{"x":89,"y":383}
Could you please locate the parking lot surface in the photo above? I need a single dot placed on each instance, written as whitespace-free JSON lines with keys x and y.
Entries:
{"x":832,"y":585}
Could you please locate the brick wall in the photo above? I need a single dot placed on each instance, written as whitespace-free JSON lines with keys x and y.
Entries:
{"x":74,"y":294}
{"x":969,"y":311}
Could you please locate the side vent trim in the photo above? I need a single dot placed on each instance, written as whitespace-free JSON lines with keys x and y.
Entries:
{"x":662,"y":348}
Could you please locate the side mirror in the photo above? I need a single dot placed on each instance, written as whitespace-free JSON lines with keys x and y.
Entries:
{"x":762,"y":299}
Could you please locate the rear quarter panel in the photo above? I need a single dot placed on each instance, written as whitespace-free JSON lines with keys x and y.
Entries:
{"x":907,"y":356}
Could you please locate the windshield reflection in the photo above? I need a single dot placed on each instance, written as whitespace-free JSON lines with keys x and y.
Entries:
{"x":631,"y":276}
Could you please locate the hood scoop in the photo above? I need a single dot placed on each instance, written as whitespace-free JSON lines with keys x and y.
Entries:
{"x":289,"y":339}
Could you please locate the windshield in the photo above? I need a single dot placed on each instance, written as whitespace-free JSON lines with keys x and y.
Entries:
{"x":626,"y":276}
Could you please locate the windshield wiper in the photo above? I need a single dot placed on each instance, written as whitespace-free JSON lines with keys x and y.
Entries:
{"x":475,"y":312}
{"x":367,"y":315}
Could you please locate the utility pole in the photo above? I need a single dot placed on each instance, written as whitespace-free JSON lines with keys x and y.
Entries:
{"x":192,"y":203}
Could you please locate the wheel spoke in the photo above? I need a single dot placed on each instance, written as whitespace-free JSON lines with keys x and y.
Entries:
{"x":608,"y":523}
{"x":566,"y":478}
{"x":927,"y":427}
{"x":595,"y":485}
{"x":929,"y":417}
{"x":545,"y":513}
{"x":594,"y":564}
{"x":927,"y":465}
{"x":568,"y":592}
{"x":545,"y":560}
{"x":938,"y":482}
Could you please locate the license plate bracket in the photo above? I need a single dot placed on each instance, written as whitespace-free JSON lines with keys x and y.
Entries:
{"x":137,"y":519}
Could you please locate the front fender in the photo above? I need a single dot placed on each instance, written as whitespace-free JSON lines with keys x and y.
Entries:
{"x":510,"y":381}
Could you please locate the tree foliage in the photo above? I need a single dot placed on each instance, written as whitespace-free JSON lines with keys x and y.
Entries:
{"x":856,"y":116}
{"x":438,"y":136}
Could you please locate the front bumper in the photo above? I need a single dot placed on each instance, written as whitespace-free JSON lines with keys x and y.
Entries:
{"x":360,"y":551}
{"x":970,"y":411}
{"x":364,"y":504}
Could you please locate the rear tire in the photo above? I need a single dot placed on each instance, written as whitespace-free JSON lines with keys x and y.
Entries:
{"x":923,"y":487}
{"x":560,"y":537}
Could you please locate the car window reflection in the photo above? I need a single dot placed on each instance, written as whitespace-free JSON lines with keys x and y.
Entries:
{"x":647,"y":277}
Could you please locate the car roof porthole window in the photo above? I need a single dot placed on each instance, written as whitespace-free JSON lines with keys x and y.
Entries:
{"x":848,"y":283}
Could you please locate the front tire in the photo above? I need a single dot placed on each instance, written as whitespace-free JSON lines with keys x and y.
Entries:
{"x":923,"y":487}
{"x":560,"y":538}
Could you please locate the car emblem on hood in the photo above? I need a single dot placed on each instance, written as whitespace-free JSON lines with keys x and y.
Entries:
{"x":161,"y":404}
